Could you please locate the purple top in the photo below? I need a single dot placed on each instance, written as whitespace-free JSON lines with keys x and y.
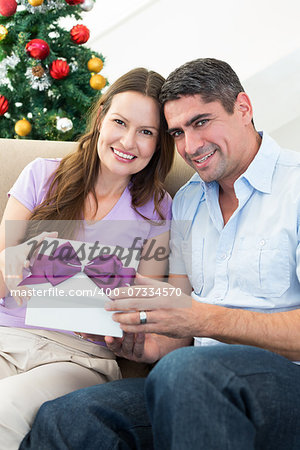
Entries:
{"x":30,"y":189}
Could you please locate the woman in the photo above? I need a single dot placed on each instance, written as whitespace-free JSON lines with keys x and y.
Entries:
{"x":115,"y":177}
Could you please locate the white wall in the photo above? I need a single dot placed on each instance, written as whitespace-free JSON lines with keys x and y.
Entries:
{"x":260,"y":39}
{"x":249,"y":35}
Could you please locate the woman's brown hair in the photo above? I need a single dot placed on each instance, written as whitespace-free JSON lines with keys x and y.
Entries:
{"x":77,"y":173}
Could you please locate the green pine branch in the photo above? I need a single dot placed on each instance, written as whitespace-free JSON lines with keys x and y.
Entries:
{"x":70,"y":97}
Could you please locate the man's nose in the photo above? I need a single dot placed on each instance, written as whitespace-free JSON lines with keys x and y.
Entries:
{"x":193,"y":141}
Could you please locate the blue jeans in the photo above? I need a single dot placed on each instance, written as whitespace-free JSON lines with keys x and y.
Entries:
{"x":219,"y":397}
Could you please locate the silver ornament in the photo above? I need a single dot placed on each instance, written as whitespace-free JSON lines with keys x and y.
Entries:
{"x":64,"y":124}
{"x":87,"y":5}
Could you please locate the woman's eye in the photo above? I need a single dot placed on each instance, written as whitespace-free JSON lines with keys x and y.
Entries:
{"x":148,"y":132}
{"x":119,"y":121}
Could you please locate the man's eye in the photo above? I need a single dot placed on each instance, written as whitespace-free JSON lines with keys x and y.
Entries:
{"x":119,"y":121}
{"x":176,"y":134}
{"x":148,"y":132}
{"x":200,"y":123}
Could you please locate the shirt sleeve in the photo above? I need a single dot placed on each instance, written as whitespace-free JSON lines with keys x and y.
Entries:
{"x":31,"y":186}
{"x":184,"y":207}
{"x":176,"y":261}
{"x":298,"y":247}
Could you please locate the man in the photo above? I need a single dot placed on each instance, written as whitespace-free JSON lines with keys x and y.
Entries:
{"x":236,"y":256}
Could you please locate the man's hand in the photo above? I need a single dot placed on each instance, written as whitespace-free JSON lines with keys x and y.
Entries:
{"x":169,"y":311}
{"x":136,"y":347}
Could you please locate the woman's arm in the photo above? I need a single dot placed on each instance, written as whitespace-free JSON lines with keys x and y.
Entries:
{"x":154,"y":257}
{"x":11,"y":232}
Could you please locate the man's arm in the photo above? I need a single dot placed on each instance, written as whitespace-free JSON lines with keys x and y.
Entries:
{"x":277,"y":332}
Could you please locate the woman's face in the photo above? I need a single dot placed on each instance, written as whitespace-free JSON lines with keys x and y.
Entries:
{"x":128,"y":134}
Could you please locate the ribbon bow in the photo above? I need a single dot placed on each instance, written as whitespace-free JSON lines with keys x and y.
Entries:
{"x":106,"y":271}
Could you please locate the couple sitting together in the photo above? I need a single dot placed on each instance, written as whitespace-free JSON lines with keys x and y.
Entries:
{"x":226,"y":341}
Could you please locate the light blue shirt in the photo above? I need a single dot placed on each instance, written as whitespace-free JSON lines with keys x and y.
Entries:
{"x":253,"y":262}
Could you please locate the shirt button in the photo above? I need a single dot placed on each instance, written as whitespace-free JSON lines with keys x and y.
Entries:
{"x":224,"y":256}
{"x":262,"y":242}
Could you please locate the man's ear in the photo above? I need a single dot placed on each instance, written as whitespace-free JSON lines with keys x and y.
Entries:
{"x":243,"y":105}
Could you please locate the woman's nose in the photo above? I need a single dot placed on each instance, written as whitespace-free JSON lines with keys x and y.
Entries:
{"x":128,"y":140}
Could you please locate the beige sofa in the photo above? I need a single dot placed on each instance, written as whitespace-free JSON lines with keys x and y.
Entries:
{"x":16,"y":153}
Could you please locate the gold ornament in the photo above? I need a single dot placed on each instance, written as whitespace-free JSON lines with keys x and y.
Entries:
{"x":95,"y":64}
{"x":97,"y":82}
{"x":3,"y":32}
{"x":23,"y":127}
{"x":36,"y":2}
{"x":38,"y":71}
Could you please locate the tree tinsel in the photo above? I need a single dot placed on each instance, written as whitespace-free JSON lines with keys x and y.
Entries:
{"x":26,"y":83}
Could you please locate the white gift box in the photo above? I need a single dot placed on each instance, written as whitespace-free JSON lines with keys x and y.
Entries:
{"x":76,"y":304}
{"x":54,"y":307}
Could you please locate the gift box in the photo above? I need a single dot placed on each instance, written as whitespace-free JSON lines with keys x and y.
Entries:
{"x":70,"y":281}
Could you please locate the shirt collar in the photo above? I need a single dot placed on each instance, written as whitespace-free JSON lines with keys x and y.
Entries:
{"x":260,"y":171}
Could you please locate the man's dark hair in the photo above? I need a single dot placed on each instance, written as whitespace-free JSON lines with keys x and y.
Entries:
{"x":213,"y":79}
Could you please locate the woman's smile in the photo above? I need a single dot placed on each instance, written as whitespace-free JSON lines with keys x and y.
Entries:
{"x":123,"y":156}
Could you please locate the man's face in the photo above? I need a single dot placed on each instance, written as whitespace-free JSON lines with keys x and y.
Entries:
{"x":210,"y":139}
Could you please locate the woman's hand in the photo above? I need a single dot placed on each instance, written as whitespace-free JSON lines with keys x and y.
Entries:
{"x":14,"y":259}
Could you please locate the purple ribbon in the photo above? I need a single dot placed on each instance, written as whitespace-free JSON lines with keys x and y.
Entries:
{"x":106,"y":271}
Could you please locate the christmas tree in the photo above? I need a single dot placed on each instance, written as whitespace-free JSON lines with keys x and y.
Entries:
{"x":48,"y":80}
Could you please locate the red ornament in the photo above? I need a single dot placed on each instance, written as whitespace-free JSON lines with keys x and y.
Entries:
{"x":3,"y":105}
{"x":80,"y":34}
{"x":59,"y":69}
{"x":8,"y":7}
{"x":37,"y":49}
{"x":74,"y":2}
